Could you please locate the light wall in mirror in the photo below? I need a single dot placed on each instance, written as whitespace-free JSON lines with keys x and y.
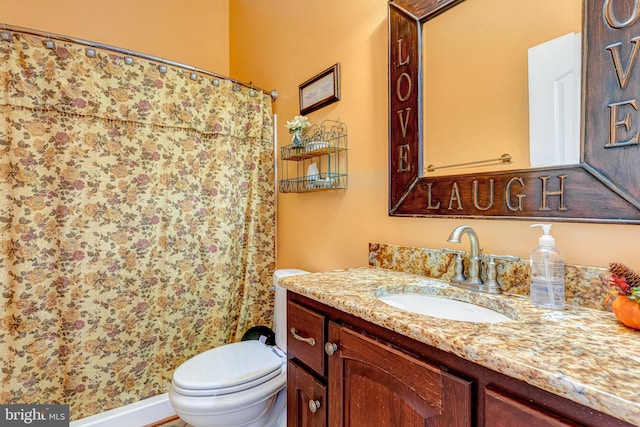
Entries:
{"x":476,"y":80}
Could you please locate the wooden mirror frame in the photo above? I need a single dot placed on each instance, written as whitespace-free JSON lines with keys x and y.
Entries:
{"x":603,"y":188}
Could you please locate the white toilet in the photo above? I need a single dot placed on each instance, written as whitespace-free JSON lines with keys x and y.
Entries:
{"x":238,"y":384}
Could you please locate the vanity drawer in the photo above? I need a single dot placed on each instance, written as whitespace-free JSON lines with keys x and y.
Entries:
{"x":306,"y":336}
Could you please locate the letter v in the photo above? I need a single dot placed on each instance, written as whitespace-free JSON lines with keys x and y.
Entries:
{"x":624,"y":73}
{"x":404,"y":123}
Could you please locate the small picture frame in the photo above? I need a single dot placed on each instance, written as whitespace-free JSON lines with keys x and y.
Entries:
{"x":321,"y":90}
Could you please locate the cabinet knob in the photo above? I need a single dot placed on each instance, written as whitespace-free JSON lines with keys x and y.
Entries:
{"x":330,"y":348}
{"x":314,"y":405}
{"x":310,"y":340}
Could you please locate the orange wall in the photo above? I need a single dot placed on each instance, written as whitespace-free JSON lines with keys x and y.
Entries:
{"x":280,"y":44}
{"x":193,"y":32}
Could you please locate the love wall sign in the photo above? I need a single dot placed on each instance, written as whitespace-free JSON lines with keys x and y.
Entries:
{"x":604,"y":187}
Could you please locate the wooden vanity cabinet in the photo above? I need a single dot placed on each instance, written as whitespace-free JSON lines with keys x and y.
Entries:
{"x":369,"y":381}
{"x":372,"y":383}
{"x":376,"y":377}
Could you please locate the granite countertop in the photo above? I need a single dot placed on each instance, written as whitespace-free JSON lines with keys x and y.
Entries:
{"x":584,"y":355}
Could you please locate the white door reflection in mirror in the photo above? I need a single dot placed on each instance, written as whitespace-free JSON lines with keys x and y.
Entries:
{"x":554,"y":101}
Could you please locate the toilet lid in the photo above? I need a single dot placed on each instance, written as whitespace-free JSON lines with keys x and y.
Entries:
{"x":228,"y":368}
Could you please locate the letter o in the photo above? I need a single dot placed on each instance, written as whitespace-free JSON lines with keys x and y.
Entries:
{"x":399,"y":85}
{"x":607,"y":10}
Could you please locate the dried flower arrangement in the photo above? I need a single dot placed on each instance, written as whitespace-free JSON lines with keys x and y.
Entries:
{"x":625,"y":286}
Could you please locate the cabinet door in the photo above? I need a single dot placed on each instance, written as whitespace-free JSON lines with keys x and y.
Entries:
{"x":306,"y":399}
{"x":502,"y":410}
{"x":372,"y":383}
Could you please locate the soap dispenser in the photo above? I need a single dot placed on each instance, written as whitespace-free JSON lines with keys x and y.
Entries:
{"x":547,"y":272}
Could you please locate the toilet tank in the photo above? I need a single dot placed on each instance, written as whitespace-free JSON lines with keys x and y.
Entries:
{"x":280,"y":306}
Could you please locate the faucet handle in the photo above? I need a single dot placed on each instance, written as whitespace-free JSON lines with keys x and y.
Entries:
{"x":492,"y":272}
{"x":459,"y":271}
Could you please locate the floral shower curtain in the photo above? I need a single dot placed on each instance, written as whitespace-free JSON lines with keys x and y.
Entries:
{"x":137,"y":222}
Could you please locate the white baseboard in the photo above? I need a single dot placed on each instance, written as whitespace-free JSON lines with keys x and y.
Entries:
{"x":137,"y":414}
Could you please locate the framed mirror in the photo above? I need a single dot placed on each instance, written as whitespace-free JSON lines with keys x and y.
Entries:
{"x":445,"y":157}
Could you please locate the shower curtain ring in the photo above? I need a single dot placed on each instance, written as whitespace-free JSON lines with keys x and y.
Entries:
{"x":162,"y":67}
{"x":252,"y":92}
{"x":49,"y":44}
{"x":5,"y":35}
{"x":128,"y":59}
{"x":236,"y":86}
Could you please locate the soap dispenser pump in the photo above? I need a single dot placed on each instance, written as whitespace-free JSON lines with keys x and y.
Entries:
{"x":547,"y":272}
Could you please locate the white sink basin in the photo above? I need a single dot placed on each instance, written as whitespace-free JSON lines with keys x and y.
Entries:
{"x":443,"y":308}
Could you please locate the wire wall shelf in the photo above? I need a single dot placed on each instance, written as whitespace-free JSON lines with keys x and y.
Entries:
{"x":318,"y":162}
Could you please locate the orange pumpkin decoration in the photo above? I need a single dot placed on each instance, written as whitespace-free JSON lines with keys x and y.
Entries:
{"x":627,"y":311}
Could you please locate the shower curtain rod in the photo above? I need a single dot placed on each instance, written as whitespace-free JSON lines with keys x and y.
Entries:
{"x":5,"y":28}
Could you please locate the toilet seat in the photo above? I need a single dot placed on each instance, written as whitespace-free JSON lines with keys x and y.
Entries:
{"x":247,"y":405}
{"x":228,"y":369}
